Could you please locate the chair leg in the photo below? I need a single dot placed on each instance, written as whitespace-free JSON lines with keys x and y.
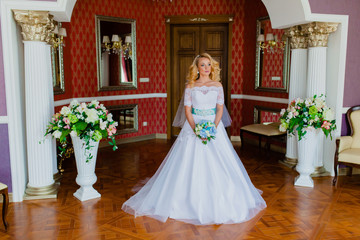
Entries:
{"x":241,"y":139}
{"x":5,"y":208}
{"x":336,"y":173}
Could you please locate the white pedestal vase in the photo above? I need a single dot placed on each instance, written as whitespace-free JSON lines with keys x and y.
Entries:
{"x":86,"y":170}
{"x":307,"y":155}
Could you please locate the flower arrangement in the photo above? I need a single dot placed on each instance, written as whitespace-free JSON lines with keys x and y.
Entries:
{"x":306,"y":114}
{"x":205,"y":130}
{"x":88,"y":121}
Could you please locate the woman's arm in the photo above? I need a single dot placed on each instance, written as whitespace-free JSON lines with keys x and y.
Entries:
{"x":189,"y":117}
{"x":219,"y":113}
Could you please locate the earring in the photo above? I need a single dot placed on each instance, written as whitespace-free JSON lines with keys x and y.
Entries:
{"x":198,"y":72}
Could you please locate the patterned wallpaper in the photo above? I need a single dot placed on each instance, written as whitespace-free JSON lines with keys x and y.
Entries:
{"x":80,"y":53}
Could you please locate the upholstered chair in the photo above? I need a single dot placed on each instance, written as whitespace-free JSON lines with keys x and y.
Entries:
{"x":348,"y":147}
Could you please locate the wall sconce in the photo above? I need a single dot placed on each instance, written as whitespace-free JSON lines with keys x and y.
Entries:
{"x":271,"y":43}
{"x":116,"y":45}
{"x":57,"y":37}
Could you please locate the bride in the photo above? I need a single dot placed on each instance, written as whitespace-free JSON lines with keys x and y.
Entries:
{"x":197,"y":183}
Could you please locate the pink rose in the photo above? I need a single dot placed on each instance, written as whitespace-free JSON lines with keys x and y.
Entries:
{"x":326,"y":125}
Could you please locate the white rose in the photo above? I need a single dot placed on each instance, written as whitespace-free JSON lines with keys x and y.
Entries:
{"x":65,"y":111}
{"x":103,"y":124}
{"x":329,"y":114}
{"x":92,"y":115}
{"x":57,"y":134}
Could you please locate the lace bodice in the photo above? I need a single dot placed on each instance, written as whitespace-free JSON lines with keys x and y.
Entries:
{"x":204,"y":97}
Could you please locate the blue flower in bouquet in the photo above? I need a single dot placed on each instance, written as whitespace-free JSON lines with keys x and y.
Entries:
{"x":205,"y":130}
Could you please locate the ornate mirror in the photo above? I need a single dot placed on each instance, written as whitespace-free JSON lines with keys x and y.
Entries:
{"x":116,"y":53}
{"x":57,"y":66}
{"x":272,"y":58}
{"x":126,"y":116}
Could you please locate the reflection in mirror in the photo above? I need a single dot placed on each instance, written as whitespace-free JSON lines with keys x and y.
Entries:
{"x":126,"y":116}
{"x":57,"y":65}
{"x":116,"y":53}
{"x":266,"y":115}
{"x":272,"y":58}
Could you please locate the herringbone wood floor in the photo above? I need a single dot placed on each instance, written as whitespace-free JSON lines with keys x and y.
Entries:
{"x":324,"y":212}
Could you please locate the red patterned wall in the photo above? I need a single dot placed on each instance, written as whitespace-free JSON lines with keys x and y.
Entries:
{"x":80,"y":53}
{"x":272,"y":61}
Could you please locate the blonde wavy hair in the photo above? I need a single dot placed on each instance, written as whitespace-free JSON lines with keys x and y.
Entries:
{"x":193,"y":75}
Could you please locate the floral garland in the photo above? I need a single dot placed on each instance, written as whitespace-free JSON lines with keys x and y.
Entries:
{"x":90,"y":122}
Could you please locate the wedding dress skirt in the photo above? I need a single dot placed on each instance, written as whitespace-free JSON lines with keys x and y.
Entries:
{"x":199,"y":184}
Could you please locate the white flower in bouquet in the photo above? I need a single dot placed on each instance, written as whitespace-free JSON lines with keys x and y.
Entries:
{"x":57,"y":134}
{"x":103,"y":124}
{"x":329,"y":114}
{"x":92,"y":115}
{"x":81,"y":108}
{"x":308,"y":102}
{"x":109,"y":117}
{"x":65,"y":111}
{"x":95,"y":103}
{"x":319,"y":103}
{"x":283,"y":127}
{"x":74,"y":103}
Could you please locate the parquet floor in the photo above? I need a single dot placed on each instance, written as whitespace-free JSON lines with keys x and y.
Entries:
{"x":322,"y":212}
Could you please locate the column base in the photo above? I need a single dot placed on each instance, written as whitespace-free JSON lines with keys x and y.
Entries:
{"x":304,"y":181}
{"x":42,"y":192}
{"x":320,"y":172}
{"x":289,"y":162}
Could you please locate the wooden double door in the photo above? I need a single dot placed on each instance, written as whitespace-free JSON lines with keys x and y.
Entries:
{"x":187,"y":41}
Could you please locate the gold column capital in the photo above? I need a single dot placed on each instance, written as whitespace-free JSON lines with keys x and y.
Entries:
{"x":318,"y":33}
{"x":298,"y":37}
{"x":35,"y":25}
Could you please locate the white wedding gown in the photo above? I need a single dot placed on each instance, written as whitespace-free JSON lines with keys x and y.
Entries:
{"x":197,"y":183}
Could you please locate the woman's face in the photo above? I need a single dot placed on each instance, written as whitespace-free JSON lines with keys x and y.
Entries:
{"x":204,"y":67}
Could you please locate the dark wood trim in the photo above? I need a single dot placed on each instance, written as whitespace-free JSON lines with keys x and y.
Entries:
{"x":257,"y":110}
{"x":168,"y":79}
{"x":196,"y":19}
{"x":348,"y":113}
{"x":336,"y":161}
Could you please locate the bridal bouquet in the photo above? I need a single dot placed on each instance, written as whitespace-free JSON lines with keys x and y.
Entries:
{"x":90,"y":122}
{"x":205,"y":130}
{"x":309,"y":113}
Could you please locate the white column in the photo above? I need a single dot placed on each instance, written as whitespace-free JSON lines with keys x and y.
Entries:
{"x":316,"y":75}
{"x":39,"y":103}
{"x":297,"y":89}
{"x":298,"y":70}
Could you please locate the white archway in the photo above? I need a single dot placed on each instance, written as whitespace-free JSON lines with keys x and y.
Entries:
{"x":286,"y":13}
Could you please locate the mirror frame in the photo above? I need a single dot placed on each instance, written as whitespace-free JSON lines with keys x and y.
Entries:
{"x":136,"y":113}
{"x":58,"y":89}
{"x":258,"y":109}
{"x":286,"y":63}
{"x":122,"y":86}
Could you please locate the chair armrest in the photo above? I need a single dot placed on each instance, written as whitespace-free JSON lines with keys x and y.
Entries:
{"x":344,"y":143}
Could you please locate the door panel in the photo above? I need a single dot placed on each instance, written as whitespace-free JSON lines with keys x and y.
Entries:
{"x":187,"y":41}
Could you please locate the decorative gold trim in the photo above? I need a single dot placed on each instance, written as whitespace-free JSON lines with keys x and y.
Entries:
{"x":35,"y":25}
{"x":124,"y":85}
{"x":298,"y":37}
{"x":286,"y":63}
{"x":198,"y":19}
{"x":318,"y":33}
{"x":42,"y":192}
